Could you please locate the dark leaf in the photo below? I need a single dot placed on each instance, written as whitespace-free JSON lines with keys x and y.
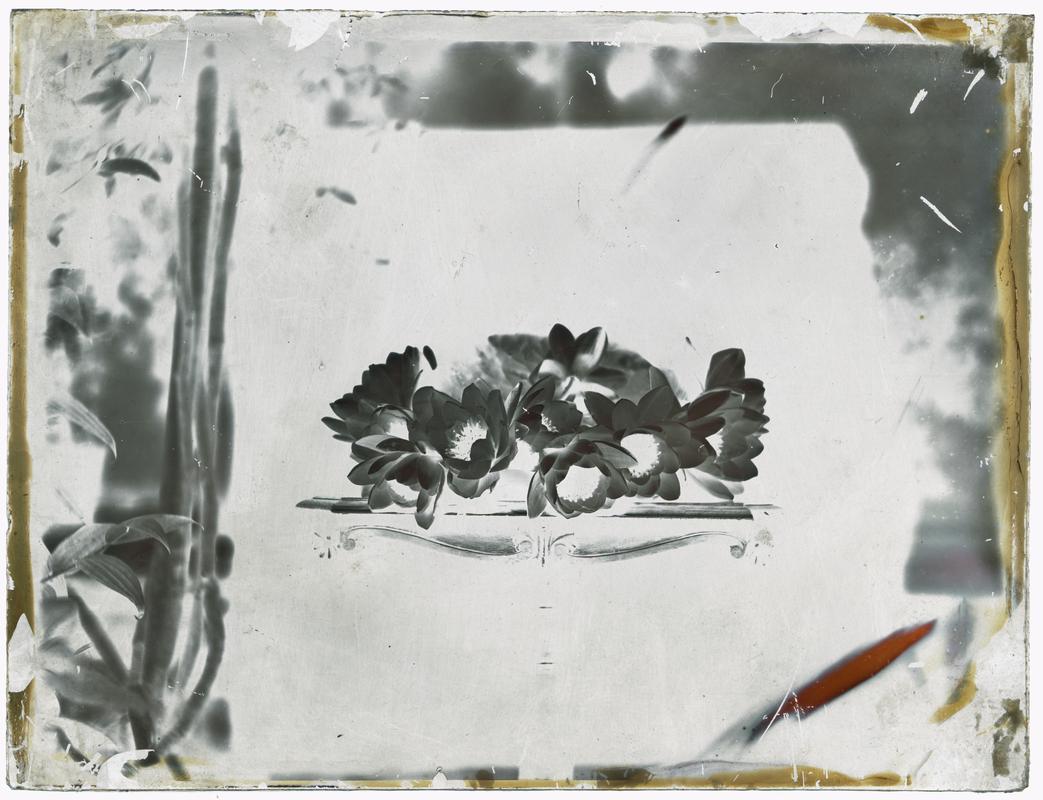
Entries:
{"x":128,"y":166}
{"x":429,"y":354}
{"x":116,"y":52}
{"x":110,"y":98}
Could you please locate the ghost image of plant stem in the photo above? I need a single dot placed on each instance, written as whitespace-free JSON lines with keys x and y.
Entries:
{"x":599,"y":422}
{"x":154,"y":696}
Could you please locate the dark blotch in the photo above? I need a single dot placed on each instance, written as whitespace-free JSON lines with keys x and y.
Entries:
{"x":217,"y":724}
{"x":979,"y":58}
{"x":338,"y":113}
{"x":672,"y":127}
{"x":340,"y":194}
{"x":225,"y":549}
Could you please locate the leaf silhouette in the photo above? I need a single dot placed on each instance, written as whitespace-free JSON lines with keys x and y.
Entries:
{"x":115,"y":574}
{"x":95,"y":537}
{"x":103,"y":645}
{"x":88,"y":684}
{"x":66,"y":306}
{"x":109,"y":721}
{"x":114,"y":94}
{"x":128,"y":166}
{"x":149,"y":526}
{"x":340,"y":194}
{"x":116,"y":52}
{"x":54,"y":233}
{"x":83,"y":418}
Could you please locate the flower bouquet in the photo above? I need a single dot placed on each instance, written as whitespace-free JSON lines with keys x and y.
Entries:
{"x":593,"y":423}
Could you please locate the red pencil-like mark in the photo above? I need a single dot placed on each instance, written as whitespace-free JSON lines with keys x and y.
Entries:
{"x":846,"y":674}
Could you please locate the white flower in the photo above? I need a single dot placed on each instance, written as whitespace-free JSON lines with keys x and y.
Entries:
{"x":646,"y":449}
{"x":464,"y":436}
{"x":580,"y":484}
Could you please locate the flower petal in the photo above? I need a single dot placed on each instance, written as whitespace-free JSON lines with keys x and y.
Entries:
{"x":600,"y":408}
{"x":336,"y":425}
{"x":551,"y":367}
{"x":615,"y":454}
{"x":712,"y":485}
{"x":669,"y":486}
{"x":608,"y":376}
{"x":426,"y":503}
{"x":379,"y":497}
{"x":361,"y":474}
{"x":656,"y":405}
{"x":429,"y":474}
{"x":590,"y":346}
{"x":472,"y":398}
{"x":536,"y":501}
{"x":562,"y":344}
{"x":707,"y":403}
{"x":624,"y":415}
{"x":726,"y":367}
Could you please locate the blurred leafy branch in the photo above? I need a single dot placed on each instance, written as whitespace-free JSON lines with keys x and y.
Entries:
{"x":168,"y":564}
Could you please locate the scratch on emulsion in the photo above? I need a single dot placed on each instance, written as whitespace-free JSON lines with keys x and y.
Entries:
{"x":939,"y":214}
{"x":771,"y":94}
{"x":910,"y":26}
{"x":974,"y":82}
{"x":920,"y":96}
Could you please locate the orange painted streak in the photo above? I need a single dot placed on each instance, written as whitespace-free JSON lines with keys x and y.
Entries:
{"x":852,"y":671}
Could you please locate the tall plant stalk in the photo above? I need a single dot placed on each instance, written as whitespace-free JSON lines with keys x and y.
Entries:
{"x":197,"y":448}
{"x":163,"y":686}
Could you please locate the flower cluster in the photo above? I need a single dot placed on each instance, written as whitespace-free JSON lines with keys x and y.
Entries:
{"x":600,"y":432}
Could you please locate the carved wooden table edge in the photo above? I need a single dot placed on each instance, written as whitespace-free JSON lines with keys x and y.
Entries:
{"x":650,"y":509}
{"x":542,"y":544}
